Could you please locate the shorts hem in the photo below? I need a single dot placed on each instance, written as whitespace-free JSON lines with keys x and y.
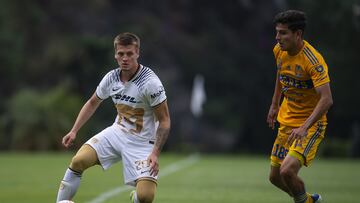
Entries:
{"x":135,"y":181}
{"x":299,"y":156}
{"x":147,"y":178}
{"x":274,"y":164}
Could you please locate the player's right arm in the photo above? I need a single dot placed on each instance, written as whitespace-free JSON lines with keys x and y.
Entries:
{"x":275,"y":103}
{"x":85,"y":113}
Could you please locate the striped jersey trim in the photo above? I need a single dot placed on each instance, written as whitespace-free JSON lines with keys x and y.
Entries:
{"x":143,"y":76}
{"x":114,"y":76}
{"x":310,"y":56}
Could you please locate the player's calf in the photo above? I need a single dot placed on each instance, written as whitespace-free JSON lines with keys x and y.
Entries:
{"x":68,"y":185}
{"x":276,"y":179}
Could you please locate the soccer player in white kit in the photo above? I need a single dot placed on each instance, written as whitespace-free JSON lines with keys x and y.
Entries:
{"x":139,"y":132}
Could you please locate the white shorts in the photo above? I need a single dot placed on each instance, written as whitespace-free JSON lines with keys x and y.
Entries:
{"x":112,"y":145}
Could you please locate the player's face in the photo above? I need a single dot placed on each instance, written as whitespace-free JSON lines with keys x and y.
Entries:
{"x":287,"y":39}
{"x":127,"y":56}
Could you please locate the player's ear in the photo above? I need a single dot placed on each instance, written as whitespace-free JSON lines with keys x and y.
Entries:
{"x":299,"y":34}
{"x":115,"y":55}
{"x":137,"y":51}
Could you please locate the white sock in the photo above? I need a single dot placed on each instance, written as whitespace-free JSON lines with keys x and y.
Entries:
{"x":69,"y":185}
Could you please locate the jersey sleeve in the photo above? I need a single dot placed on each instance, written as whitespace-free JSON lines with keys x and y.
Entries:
{"x":155,"y":92}
{"x":319,"y":74}
{"x":103,"y":89}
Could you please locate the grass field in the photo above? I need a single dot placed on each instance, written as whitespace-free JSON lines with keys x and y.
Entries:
{"x":34,"y":178}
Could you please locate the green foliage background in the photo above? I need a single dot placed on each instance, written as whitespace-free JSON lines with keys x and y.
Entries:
{"x":54,"y":53}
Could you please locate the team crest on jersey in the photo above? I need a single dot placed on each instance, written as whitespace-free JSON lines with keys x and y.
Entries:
{"x":319,"y":69}
{"x":298,"y":71}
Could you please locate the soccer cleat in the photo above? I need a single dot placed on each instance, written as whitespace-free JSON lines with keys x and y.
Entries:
{"x":132,"y":196}
{"x":316,"y":198}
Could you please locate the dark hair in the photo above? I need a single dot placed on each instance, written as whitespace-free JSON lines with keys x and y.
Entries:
{"x":126,"y":39}
{"x":295,"y":20}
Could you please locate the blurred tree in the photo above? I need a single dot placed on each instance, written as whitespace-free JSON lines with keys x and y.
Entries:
{"x":59,"y":50}
{"x":40,"y":119}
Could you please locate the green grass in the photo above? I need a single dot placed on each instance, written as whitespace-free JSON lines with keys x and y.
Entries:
{"x":34,"y":178}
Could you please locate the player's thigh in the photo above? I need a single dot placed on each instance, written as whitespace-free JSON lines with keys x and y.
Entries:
{"x":108,"y":145}
{"x":280,"y":147}
{"x":145,"y":190}
{"x":84,"y":158}
{"x":290,"y":166}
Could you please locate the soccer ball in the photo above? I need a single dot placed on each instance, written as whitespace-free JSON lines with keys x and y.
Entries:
{"x":66,"y":201}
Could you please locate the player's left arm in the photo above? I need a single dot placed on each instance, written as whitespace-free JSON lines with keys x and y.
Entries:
{"x":323,"y":105}
{"x":162,"y":114}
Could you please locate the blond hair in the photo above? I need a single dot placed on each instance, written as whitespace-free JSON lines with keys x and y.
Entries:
{"x":126,"y":39}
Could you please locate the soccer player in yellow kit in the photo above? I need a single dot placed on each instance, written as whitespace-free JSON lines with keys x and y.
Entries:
{"x":303,"y":82}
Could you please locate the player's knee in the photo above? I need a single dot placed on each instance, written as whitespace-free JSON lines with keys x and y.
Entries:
{"x":286,"y":173}
{"x":145,"y":196}
{"x":274,"y":176}
{"x":274,"y":179}
{"x":145,"y":191}
{"x":84,"y":158}
{"x":79,"y":164}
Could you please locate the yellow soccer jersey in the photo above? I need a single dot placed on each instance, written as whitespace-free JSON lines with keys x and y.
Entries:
{"x":299,"y":75}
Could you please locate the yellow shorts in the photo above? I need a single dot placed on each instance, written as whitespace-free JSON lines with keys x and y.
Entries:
{"x":304,"y":151}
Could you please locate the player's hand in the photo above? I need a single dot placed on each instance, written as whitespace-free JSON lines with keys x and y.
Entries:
{"x":154,"y":164}
{"x":297,"y":134}
{"x":68,"y":139}
{"x":271,"y":118}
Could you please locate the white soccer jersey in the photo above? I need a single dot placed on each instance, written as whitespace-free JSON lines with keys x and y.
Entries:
{"x":134,"y":100}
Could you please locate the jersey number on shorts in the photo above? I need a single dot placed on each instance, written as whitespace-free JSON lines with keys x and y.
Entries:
{"x":133,"y":116}
{"x":279,"y":151}
{"x":141,"y":164}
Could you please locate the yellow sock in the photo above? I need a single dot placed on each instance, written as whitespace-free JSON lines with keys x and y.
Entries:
{"x":309,"y":198}
{"x":302,"y":198}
